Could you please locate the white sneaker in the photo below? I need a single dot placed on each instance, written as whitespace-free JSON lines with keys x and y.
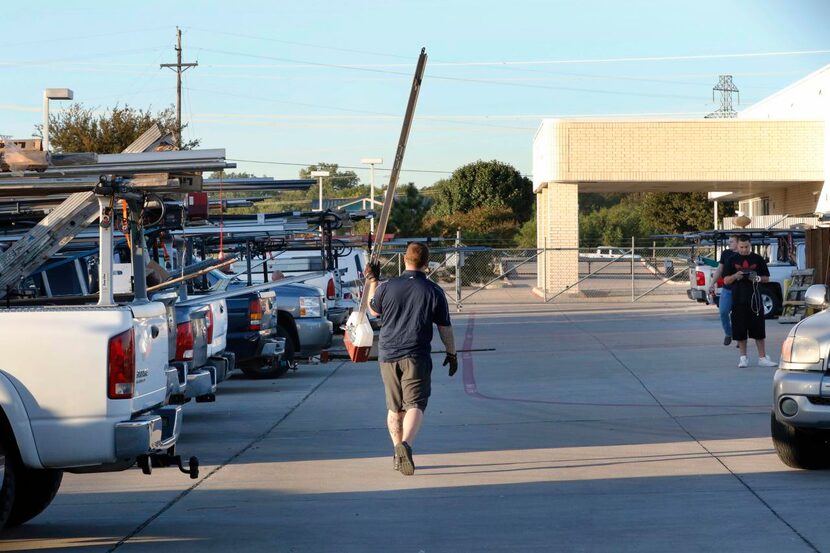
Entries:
{"x":743,"y":362}
{"x":767,"y":362}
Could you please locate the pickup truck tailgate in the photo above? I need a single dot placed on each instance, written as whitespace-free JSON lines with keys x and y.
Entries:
{"x":57,"y":360}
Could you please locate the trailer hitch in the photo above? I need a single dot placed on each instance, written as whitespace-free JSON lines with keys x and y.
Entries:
{"x":163,"y":460}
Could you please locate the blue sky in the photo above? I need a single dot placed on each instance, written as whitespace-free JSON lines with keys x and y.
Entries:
{"x":292,"y":83}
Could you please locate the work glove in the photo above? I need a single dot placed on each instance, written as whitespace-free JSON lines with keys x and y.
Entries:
{"x":372,"y":271}
{"x":452,"y":360}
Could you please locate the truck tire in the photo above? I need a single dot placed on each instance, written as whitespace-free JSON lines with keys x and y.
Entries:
{"x":41,"y":486}
{"x":264,"y":370}
{"x":273,"y":369}
{"x":8,"y":485}
{"x":800,"y":449}
{"x":288,"y":358}
{"x":771,"y":302}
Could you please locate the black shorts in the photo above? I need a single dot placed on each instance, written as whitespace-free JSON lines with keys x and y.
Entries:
{"x":408,"y":383}
{"x":746,"y":323}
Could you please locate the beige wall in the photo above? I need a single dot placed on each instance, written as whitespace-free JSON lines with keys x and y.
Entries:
{"x":782,"y":160}
{"x":558,"y":232}
{"x":798,"y":199}
{"x":699,"y":151}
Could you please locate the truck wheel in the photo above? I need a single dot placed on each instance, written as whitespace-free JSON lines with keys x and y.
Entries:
{"x":8,"y":484}
{"x":771,"y":303}
{"x":263,"y":370}
{"x":41,"y":486}
{"x":290,"y":351}
{"x":800,"y":449}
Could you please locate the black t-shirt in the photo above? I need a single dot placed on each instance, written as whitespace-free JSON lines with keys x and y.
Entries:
{"x":725,"y":256}
{"x":742,"y":289}
{"x":408,"y":306}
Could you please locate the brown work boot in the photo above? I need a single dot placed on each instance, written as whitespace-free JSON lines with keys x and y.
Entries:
{"x":404,"y":454}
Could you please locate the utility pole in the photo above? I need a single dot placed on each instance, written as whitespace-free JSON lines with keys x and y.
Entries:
{"x":179,"y":68}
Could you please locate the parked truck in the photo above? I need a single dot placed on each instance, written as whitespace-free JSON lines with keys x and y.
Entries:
{"x":86,"y":387}
{"x":800,"y":418}
{"x":83,"y":388}
{"x":784,"y":251}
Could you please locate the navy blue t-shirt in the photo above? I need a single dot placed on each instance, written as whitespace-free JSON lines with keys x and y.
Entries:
{"x":408,"y":306}
{"x":724,"y":260}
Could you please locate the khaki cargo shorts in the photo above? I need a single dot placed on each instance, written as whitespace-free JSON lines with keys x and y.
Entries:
{"x":407,"y":383}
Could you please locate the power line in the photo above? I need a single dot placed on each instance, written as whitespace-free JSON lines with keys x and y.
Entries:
{"x":61,"y":61}
{"x":290,"y":63}
{"x":338,"y":166}
{"x":309,"y":45}
{"x":448,"y":78}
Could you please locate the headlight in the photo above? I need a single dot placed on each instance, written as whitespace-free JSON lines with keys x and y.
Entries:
{"x":800,"y":349}
{"x":311,"y":307}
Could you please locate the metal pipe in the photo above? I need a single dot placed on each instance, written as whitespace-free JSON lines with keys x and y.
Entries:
{"x":139,"y":263}
{"x":632,"y":268}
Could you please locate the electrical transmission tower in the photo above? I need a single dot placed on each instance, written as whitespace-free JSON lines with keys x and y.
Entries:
{"x":725,"y":88}
{"x":179,"y":68}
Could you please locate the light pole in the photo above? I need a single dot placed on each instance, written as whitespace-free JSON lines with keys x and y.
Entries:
{"x":320,"y":175}
{"x":371,"y":161}
{"x":52,"y":94}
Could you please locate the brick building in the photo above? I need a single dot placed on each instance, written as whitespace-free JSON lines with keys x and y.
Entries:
{"x":772,"y":159}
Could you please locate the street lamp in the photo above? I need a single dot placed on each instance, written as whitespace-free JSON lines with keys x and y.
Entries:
{"x":52,"y":94}
{"x":371,"y":161}
{"x":320,"y":175}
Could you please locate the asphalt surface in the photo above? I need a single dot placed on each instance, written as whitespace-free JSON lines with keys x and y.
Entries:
{"x":605,"y":428}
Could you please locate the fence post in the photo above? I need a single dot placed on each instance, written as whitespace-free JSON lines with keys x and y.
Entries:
{"x":545,"y":267}
{"x":458,"y":270}
{"x":632,"y":269}
{"x":399,"y":264}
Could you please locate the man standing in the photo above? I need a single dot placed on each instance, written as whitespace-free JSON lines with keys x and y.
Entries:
{"x":745,"y":272}
{"x":725,"y":302}
{"x":408,"y":306}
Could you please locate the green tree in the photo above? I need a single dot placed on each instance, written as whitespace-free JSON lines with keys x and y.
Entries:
{"x":483,"y":223}
{"x":678,"y":212}
{"x":490,"y":184}
{"x":612,"y":225}
{"x":526,"y":237}
{"x":592,"y":201}
{"x":339,"y":180}
{"x":82,"y":129}
{"x":408,"y":212}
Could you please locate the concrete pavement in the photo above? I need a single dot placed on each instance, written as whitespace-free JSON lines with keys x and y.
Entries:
{"x":605,"y":428}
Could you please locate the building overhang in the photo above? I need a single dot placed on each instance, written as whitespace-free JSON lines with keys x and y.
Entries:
{"x":741,"y":156}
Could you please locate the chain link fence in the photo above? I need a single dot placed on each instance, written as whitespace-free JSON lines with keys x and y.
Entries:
{"x":482,"y":274}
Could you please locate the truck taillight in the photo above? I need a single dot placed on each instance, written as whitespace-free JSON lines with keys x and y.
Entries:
{"x":330,"y":291}
{"x":184,"y":342}
{"x":121,"y":365}
{"x":701,"y":278}
{"x":255,"y":314}
{"x":210,"y":325}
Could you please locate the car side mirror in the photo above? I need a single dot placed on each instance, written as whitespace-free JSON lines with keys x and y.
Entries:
{"x":816,"y":296}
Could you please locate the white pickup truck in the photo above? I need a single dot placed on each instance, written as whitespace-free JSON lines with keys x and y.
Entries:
{"x":84,"y":388}
{"x":772,"y":292}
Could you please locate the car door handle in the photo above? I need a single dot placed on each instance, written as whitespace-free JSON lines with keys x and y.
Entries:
{"x":154,"y":331}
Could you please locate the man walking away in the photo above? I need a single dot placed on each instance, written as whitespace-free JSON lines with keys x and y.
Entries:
{"x":408,"y":306}
{"x":725,"y":303}
{"x":745,"y":272}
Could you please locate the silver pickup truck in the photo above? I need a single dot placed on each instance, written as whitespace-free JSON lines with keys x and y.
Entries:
{"x":800,"y":419}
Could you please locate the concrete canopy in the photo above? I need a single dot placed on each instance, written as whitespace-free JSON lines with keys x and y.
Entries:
{"x":743,"y":157}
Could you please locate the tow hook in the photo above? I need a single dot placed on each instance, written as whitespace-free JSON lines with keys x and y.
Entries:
{"x":162,"y":460}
